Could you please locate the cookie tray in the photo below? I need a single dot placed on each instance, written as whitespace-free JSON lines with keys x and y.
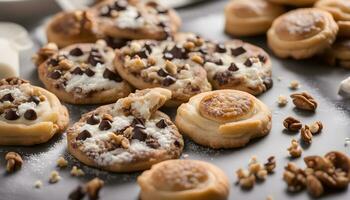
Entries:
{"x":206,"y":19}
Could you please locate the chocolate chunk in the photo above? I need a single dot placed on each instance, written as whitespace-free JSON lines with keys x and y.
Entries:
{"x":262,"y":58}
{"x":148,"y":47}
{"x":89,"y":72}
{"x":85,"y":134}
{"x":141,"y":54}
{"x":268,"y":82}
{"x":95,"y":57}
{"x":35,"y":99}
{"x":139,"y":134}
{"x":233,"y":67}
{"x":105,"y":11}
{"x":30,"y":114}
{"x":53,"y":62}
{"x":218,"y":62}
{"x":248,"y":62}
{"x":222,"y":77}
{"x":152,"y":143}
{"x":169,"y":80}
{"x":55,"y":74}
{"x":238,"y":51}
{"x":93,"y":120}
{"x":7,"y":97}
{"x":77,"y":71}
{"x":120,"y":5}
{"x":162,"y":10}
{"x":136,"y":121}
{"x":161,"y":124}
{"x":175,"y":53}
{"x":77,"y":194}
{"x":161,"y":72}
{"x":203,"y":51}
{"x":12,"y":114}
{"x":220,"y":48}
{"x":108,"y":74}
{"x":177,"y":143}
{"x":76,"y":52}
{"x":105,"y":125}
{"x":116,"y":43}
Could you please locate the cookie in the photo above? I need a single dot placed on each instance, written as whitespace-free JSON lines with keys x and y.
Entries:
{"x":184,"y":179}
{"x":67,"y":28}
{"x":82,"y":74}
{"x":130,"y":135}
{"x":302,"y":33}
{"x":339,"y":53}
{"x":238,"y":65}
{"x":340,"y":9}
{"x":175,"y":64}
{"x":250,"y":17}
{"x":29,"y":115}
{"x":223,"y":118}
{"x":297,"y":3}
{"x":136,"y":19}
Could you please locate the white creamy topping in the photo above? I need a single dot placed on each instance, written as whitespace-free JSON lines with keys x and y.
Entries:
{"x":26,"y":106}
{"x":129,"y":18}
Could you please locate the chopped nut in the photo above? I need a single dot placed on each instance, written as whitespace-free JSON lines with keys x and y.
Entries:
{"x":54,"y":177}
{"x":151,"y":61}
{"x":197,"y":59}
{"x":270,"y":165}
{"x":61,"y":162}
{"x":294,"y":177}
{"x":282,"y":100}
{"x":304,"y":101}
{"x":262,"y":174}
{"x":294,"y":150}
{"x":314,"y":186}
{"x":44,"y":53}
{"x":136,"y":64}
{"x":38,"y":184}
{"x":242,"y":173}
{"x":107,"y":117}
{"x":247,"y":182}
{"x":316,"y":127}
{"x":189,"y":45}
{"x":306,"y":134}
{"x":255,"y":168}
{"x":76,"y":171}
{"x":65,"y":64}
{"x":294,"y":85}
{"x":91,"y":188}
{"x":170,"y":67}
{"x":120,"y":140}
{"x":292,"y":124}
{"x":14,"y":161}
{"x":199,"y":42}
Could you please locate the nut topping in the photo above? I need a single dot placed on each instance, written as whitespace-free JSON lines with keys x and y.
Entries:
{"x":304,"y":101}
{"x":316,"y":127}
{"x":294,"y":150}
{"x":306,"y":134}
{"x":292,"y":124}
{"x":91,"y":188}
{"x":14,"y":161}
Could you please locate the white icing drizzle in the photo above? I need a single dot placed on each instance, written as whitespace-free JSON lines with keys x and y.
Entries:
{"x":129,"y":18}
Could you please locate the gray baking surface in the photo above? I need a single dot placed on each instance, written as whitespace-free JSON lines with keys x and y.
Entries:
{"x":208,"y":20}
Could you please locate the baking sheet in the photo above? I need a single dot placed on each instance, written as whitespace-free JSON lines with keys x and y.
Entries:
{"x":318,"y":79}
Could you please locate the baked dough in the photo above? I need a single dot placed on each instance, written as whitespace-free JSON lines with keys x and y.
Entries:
{"x":302,"y":33}
{"x":82,"y":74}
{"x":339,"y":54}
{"x":340,"y":9}
{"x":130,"y":135}
{"x":183,"y":179}
{"x":250,"y":17}
{"x":170,"y":64}
{"x":238,"y":65}
{"x":68,"y":28}
{"x":297,"y":3}
{"x":136,"y":19}
{"x":29,"y":115}
{"x":223,"y":118}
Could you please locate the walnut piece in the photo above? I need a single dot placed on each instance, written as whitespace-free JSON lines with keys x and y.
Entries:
{"x":61,"y":162}
{"x":304,"y":101}
{"x":270,"y":165}
{"x":306,"y":134}
{"x":295,"y":150}
{"x":294,"y":177}
{"x":76,"y":171}
{"x":282,"y":101}
{"x":294,"y":85}
{"x":91,"y":189}
{"x":44,"y":53}
{"x":316,"y":127}
{"x":54,"y":177}
{"x":292,"y":124}
{"x":14,"y":161}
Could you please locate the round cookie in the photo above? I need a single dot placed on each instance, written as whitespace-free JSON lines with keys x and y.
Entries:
{"x":83,"y":74}
{"x":136,"y":19}
{"x":29,"y":115}
{"x":339,"y":53}
{"x":130,"y":135}
{"x":302,"y":33}
{"x":223,"y":118}
{"x":340,"y":9}
{"x":184,"y":179}
{"x":240,"y":66}
{"x":297,"y":3}
{"x":68,"y":28}
{"x":250,"y":17}
{"x":175,"y":64}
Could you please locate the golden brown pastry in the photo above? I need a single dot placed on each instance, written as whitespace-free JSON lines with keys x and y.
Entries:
{"x":223,"y":118}
{"x":297,"y":3}
{"x":339,"y":53}
{"x":302,"y":33}
{"x":29,"y":115}
{"x":250,"y":17}
{"x":183,"y":179}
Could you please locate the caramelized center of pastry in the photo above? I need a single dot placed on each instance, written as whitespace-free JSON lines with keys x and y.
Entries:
{"x":179,"y":176}
{"x":300,"y":25}
{"x":226,"y":106}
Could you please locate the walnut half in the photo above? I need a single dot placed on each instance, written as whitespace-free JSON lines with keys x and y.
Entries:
{"x":14,"y":161}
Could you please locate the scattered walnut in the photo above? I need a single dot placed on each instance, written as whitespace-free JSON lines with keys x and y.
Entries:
{"x":270,"y":165}
{"x":306,"y":134}
{"x":54,"y":177}
{"x":247,"y":182}
{"x":261,"y":174}
{"x":65,"y":64}
{"x":292,"y":124}
{"x":170,"y":67}
{"x":294,"y":177}
{"x":61,"y":162}
{"x":199,"y":42}
{"x":294,"y":85}
{"x":38,"y":184}
{"x":136,"y":64}
{"x":91,"y":188}
{"x":316,"y":127}
{"x":14,"y":161}
{"x":120,"y":140}
{"x":189,"y":45}
{"x":107,"y":117}
{"x":314,"y":186}
{"x":294,"y":150}
{"x":44,"y":53}
{"x":151,"y":61}
{"x":282,"y":101}
{"x":304,"y":101}
{"x":197,"y":59}
{"x":76,"y":171}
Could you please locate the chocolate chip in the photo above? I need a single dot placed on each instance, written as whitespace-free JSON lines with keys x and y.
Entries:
{"x":116,"y":43}
{"x":30,"y":114}
{"x":76,"y":52}
{"x":217,"y":62}
{"x":175,"y":53}
{"x":233,"y":67}
{"x":222,"y":77}
{"x":148,"y":47}
{"x":53,"y":62}
{"x":139,"y":134}
{"x":12,"y":114}
{"x":93,"y":120}
{"x":94,"y":57}
{"x":34,"y":99}
{"x":77,"y":194}
{"x":85,"y":134}
{"x":268,"y":82}
{"x":161,"y":72}
{"x":169,"y":80}
{"x":89,"y":72}
{"x":7,"y":97}
{"x":262,"y":58}
{"x":136,"y":121}
{"x":120,"y":5}
{"x":152,"y":143}
{"x":141,"y":54}
{"x":238,"y":51}
{"x":105,"y":11}
{"x":108,"y":74}
{"x":77,"y":71}
{"x":55,"y":74}
{"x":161,"y":124}
{"x":177,"y":143}
{"x":105,"y":125}
{"x":220,"y":48}
{"x":248,"y":62}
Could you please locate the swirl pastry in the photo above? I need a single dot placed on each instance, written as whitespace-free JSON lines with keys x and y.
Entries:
{"x":298,"y":3}
{"x":136,"y":19}
{"x":183,"y":179}
{"x":130,"y":135}
{"x":339,"y":54}
{"x":82,"y":74}
{"x":302,"y":33}
{"x":29,"y":115}
{"x":223,"y":118}
{"x":250,"y":17}
{"x":175,"y":64}
{"x":340,"y":9}
{"x":68,"y":28}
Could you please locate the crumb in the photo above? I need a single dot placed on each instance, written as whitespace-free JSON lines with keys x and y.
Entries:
{"x":185,"y":156}
{"x":76,"y":171}
{"x":38,"y":184}
{"x":61,"y":162}
{"x":294,"y":85}
{"x":282,"y":100}
{"x":54,"y":177}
